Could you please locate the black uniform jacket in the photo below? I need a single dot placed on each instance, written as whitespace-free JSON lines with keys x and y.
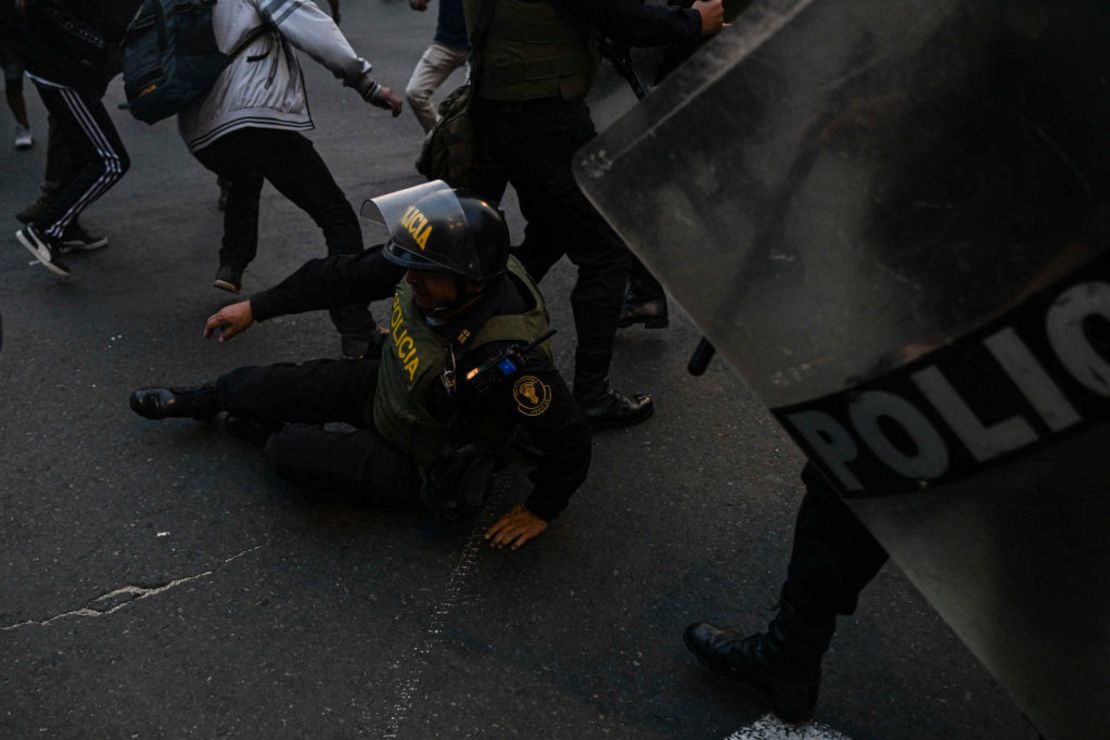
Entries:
{"x":561,"y":431}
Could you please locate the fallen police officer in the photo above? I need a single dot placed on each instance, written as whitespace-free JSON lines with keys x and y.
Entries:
{"x":467,"y":368}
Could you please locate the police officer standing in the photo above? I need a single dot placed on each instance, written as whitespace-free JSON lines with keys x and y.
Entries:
{"x":467,"y":366}
{"x":833,"y":558}
{"x":536,"y":66}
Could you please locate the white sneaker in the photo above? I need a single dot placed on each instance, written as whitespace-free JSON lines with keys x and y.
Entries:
{"x":23,"y":138}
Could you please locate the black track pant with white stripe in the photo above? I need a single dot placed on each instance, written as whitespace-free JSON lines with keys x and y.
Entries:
{"x":85,"y":124}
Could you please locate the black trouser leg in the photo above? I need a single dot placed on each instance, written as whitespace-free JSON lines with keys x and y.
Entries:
{"x":314,"y":392}
{"x":357,"y":466}
{"x":533,"y":143}
{"x":354,"y":467}
{"x":62,"y":160}
{"x":240,"y":242}
{"x":834,"y":556}
{"x":231,"y":158}
{"x":83,"y":122}
{"x":290,"y":162}
{"x":301,"y":175}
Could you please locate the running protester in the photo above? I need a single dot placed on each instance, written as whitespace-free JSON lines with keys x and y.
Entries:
{"x":68,"y":44}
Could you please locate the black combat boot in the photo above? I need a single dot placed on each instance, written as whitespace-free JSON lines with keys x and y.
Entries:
{"x":783,"y":663}
{"x":195,"y":402}
{"x":605,"y":408}
{"x":611,"y":409}
{"x":644,"y":301}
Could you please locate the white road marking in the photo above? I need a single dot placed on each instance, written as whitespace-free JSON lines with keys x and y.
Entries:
{"x":452,"y":595}
{"x":771,"y":727}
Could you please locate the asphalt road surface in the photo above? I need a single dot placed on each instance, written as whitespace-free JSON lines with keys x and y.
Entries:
{"x":159,"y":580}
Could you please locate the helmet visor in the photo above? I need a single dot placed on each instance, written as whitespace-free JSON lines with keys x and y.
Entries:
{"x":428,"y":229}
{"x":387,"y":209}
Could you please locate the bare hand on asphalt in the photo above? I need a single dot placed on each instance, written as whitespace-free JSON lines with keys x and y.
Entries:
{"x":229,"y":321}
{"x":515,"y":528}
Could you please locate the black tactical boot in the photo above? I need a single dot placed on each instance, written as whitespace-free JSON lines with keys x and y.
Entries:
{"x":605,"y":408}
{"x":195,"y":402}
{"x":644,"y":301}
{"x":611,"y":409}
{"x":652,"y":313}
{"x":783,"y":663}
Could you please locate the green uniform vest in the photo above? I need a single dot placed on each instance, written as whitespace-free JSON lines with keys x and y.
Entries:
{"x":415,"y":360}
{"x":533,"y":50}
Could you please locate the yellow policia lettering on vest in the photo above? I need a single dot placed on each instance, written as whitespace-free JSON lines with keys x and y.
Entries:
{"x":417,"y":225}
{"x":402,"y":342}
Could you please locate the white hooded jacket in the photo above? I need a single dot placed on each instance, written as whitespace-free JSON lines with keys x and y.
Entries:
{"x":263,"y":86}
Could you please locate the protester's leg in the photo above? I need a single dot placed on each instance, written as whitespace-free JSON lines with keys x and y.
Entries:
{"x":13,"y":85}
{"x":230,"y":157}
{"x":357,"y":467}
{"x":292,"y":165}
{"x":57,"y":156}
{"x":84,"y":122}
{"x":63,"y":161}
{"x":239,"y":246}
{"x":64,"y":158}
{"x":435,"y":66}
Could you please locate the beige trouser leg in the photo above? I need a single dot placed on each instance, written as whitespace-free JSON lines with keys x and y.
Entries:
{"x":435,"y":66}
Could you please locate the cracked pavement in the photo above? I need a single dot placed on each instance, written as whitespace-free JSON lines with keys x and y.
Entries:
{"x":120,"y":598}
{"x":159,"y":580}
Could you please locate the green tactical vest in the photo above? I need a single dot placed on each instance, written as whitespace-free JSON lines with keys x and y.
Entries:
{"x":415,"y":359}
{"x":533,"y":50}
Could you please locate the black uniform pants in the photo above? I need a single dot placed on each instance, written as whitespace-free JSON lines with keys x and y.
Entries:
{"x":248,"y":157}
{"x":530,"y":145}
{"x":357,"y":466}
{"x":98,"y":156}
{"x":834,"y":556}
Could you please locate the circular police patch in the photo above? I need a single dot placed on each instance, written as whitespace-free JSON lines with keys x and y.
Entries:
{"x":532,"y":396}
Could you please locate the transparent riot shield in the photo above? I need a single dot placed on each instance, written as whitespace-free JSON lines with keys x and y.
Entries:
{"x":891,"y":217}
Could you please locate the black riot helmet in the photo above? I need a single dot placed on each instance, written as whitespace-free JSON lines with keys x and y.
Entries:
{"x":433,"y":227}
